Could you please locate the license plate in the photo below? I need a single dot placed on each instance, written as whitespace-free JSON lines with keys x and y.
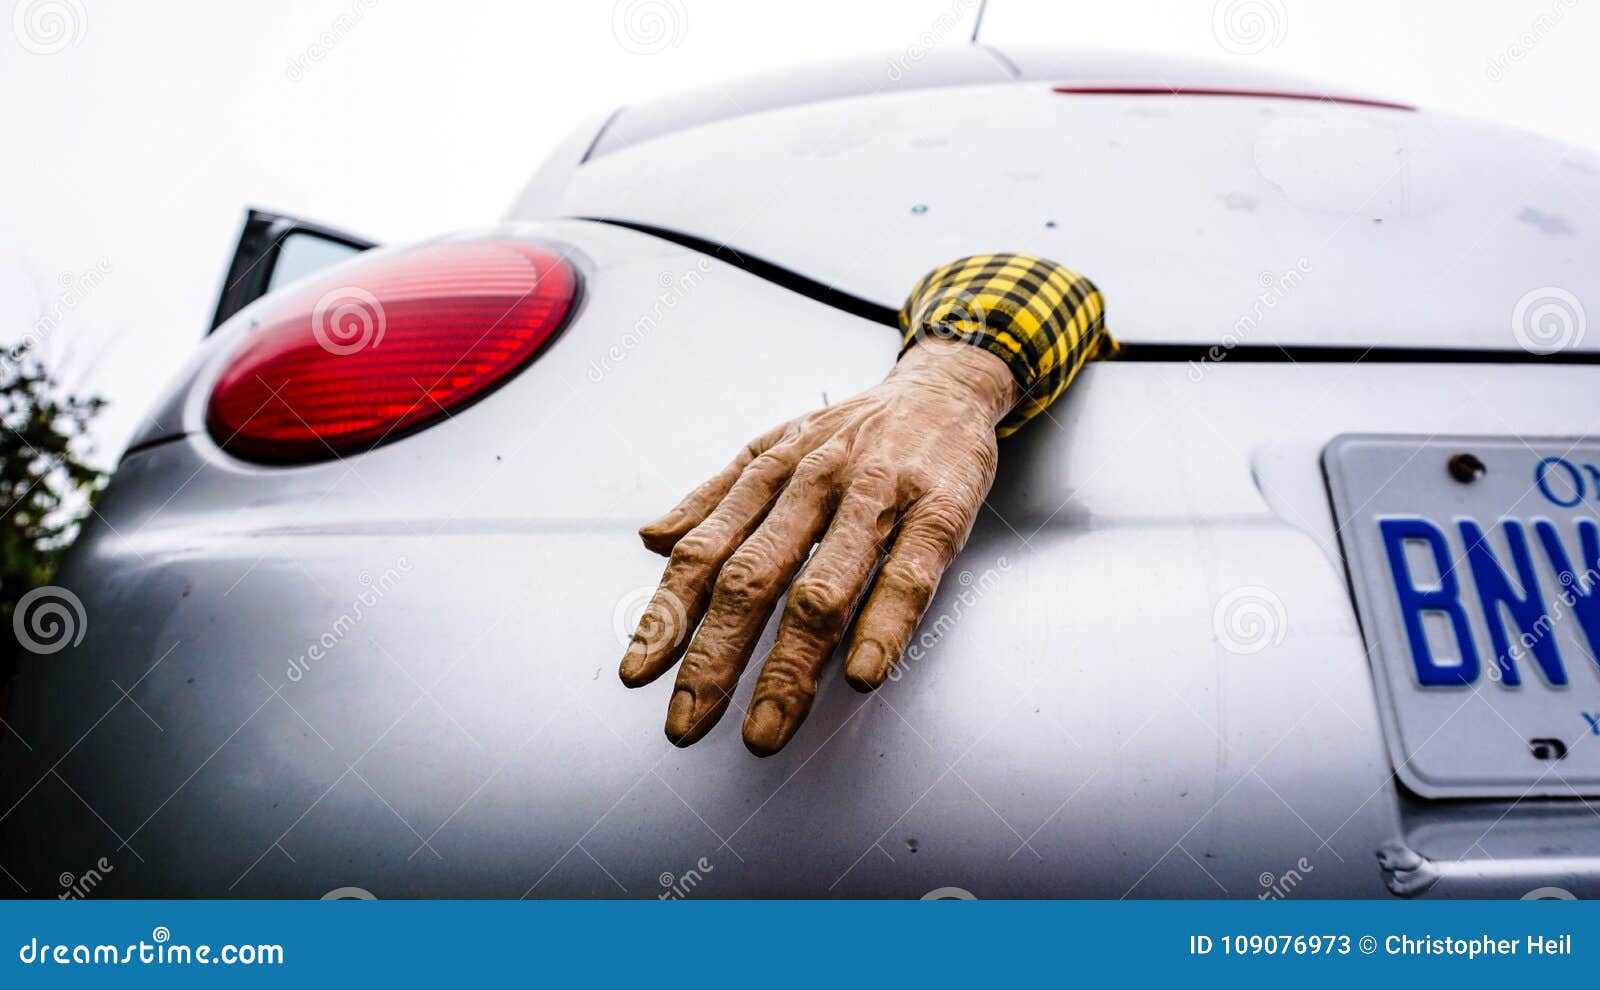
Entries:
{"x":1475,"y":566}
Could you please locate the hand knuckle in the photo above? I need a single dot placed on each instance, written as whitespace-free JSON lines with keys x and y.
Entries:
{"x":696,"y":669}
{"x":876,"y":475}
{"x":816,"y":464}
{"x":908,"y":580}
{"x":743,"y":580}
{"x":944,"y":518}
{"x":756,"y":447}
{"x":819,"y":604}
{"x":774,"y":458}
{"x":787,"y":678}
{"x":704,"y":673}
{"x":692,"y":552}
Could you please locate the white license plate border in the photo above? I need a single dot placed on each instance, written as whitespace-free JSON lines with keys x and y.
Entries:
{"x":1348,"y":508}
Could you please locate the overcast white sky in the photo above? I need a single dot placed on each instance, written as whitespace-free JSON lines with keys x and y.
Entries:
{"x":136,"y":134}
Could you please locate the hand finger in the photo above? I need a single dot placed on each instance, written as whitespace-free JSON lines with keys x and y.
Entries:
{"x":820,"y":605}
{"x":932,"y":533}
{"x":746,"y":591}
{"x":680,"y":601}
{"x":661,"y":535}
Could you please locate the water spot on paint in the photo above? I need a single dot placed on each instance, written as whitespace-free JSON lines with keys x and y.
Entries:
{"x":1547,"y":223}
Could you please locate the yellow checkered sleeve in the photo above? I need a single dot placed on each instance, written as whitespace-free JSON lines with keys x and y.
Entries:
{"x":1044,"y":321}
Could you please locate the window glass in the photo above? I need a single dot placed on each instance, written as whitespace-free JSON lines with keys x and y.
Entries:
{"x":302,"y":253}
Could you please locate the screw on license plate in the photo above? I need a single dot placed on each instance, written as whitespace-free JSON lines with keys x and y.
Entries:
{"x":1466,"y":468}
{"x":1547,"y":749}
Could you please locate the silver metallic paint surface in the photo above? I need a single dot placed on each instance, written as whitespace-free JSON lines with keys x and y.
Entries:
{"x":1411,"y":229}
{"x":1076,"y":727}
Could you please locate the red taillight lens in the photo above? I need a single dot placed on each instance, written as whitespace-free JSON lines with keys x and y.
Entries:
{"x":387,"y":347}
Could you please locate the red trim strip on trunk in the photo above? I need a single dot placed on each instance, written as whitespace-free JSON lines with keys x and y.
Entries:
{"x":1355,"y":101}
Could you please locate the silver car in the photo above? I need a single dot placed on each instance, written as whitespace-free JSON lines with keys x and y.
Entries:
{"x":1289,"y":600}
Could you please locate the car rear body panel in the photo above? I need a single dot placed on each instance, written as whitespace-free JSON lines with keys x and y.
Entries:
{"x":1202,"y":218}
{"x":396,"y":671}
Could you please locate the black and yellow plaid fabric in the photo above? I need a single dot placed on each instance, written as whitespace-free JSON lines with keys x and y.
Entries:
{"x":1043,"y":320}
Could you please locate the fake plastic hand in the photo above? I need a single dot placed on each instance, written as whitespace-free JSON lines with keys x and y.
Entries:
{"x":902,"y":468}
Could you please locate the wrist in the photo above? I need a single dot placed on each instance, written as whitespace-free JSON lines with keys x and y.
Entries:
{"x":970,"y":374}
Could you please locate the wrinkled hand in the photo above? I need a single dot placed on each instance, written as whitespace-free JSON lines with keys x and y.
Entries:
{"x":908,"y":461}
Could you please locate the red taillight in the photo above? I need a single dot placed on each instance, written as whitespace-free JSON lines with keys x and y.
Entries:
{"x":384,"y":348}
